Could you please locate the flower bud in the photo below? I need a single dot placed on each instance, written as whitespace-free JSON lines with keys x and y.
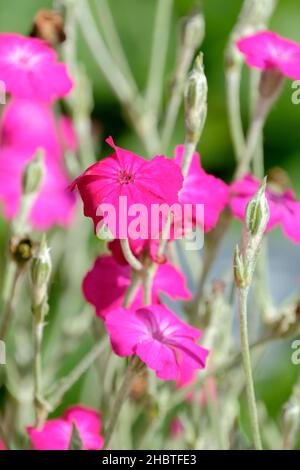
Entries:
{"x":193,"y":30}
{"x":240,"y":270}
{"x":40,"y":273}
{"x":195,"y":101}
{"x":257,"y":212}
{"x":33,"y":174}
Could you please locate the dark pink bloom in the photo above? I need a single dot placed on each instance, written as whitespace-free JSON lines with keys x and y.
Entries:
{"x":54,"y":204}
{"x":105,"y":285}
{"x":201,"y":188}
{"x":56,"y":433}
{"x":29,"y":69}
{"x":31,"y":124}
{"x":140,"y":181}
{"x":267,"y":50}
{"x":284,"y":208}
{"x":158,"y":337}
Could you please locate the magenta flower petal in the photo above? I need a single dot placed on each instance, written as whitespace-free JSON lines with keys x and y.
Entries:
{"x":105,"y":285}
{"x":56,"y":433}
{"x":41,"y":129}
{"x":139,"y":181}
{"x":201,"y":188}
{"x":161,"y":340}
{"x":29,"y":69}
{"x":53,"y":206}
{"x":266,"y":50}
{"x":284,"y":208}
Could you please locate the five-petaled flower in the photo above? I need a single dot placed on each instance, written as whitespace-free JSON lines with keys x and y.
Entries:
{"x":158,"y":337}
{"x":139,"y":181}
{"x":29,"y":69}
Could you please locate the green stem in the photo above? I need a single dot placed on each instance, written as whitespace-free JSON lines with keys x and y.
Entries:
{"x":120,"y":398}
{"x":141,"y":121}
{"x":242,"y":305}
{"x":158,"y":54}
{"x":112,"y":39}
{"x":9,"y":291}
{"x":233,"y":80}
{"x":129,"y":256}
{"x":66,"y":383}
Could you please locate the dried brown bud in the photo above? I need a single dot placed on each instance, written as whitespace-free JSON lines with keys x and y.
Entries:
{"x":21,"y":249}
{"x":49,"y":26}
{"x":139,"y":387}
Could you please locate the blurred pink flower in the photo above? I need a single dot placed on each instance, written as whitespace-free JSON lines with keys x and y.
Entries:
{"x":54,"y":204}
{"x":31,"y":124}
{"x":29,"y":69}
{"x":2,"y":446}
{"x":123,"y":173}
{"x":267,"y":50}
{"x":105,"y":285}
{"x":201,"y":188}
{"x":284,"y":208}
{"x":158,"y":337}
{"x":176,"y":428}
{"x":56,"y":433}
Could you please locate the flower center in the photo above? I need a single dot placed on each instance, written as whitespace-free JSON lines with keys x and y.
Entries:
{"x":124,"y":177}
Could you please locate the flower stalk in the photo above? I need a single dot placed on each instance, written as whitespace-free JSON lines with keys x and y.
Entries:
{"x":40,"y":275}
{"x":256,"y":219}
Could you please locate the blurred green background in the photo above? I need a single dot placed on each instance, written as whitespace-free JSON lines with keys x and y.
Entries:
{"x":134,"y":19}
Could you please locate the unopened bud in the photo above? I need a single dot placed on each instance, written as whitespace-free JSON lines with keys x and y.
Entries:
{"x":40,"y":273}
{"x":195,"y":101}
{"x":193,"y":30}
{"x":258,"y":212}
{"x":33,"y":174}
{"x":240,"y":270}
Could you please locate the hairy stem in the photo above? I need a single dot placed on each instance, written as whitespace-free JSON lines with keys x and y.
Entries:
{"x":120,"y":399}
{"x":158,"y":54}
{"x":242,"y":305}
{"x":233,"y":79}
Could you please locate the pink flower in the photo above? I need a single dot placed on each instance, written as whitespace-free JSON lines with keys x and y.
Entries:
{"x":176,"y":428}
{"x":54,"y":204}
{"x":201,"y":188}
{"x":125,"y":174}
{"x":284,"y":208}
{"x":29,"y":69}
{"x":267,"y":50}
{"x":106,"y":284}
{"x":31,"y":124}
{"x":2,"y":446}
{"x":158,"y":337}
{"x":56,"y":433}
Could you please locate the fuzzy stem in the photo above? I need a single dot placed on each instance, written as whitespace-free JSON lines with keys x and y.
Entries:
{"x":233,"y":79}
{"x":142,"y":122}
{"x":242,"y":306}
{"x":66,"y":383}
{"x":10,"y":286}
{"x":112,"y":39}
{"x":120,"y":398}
{"x":129,"y":256}
{"x":132,"y":289}
{"x":158,"y":54}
